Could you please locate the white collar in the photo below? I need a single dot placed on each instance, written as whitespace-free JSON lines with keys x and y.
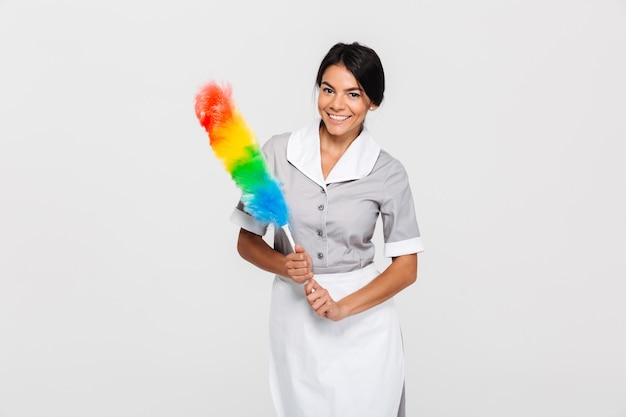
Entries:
{"x":303,"y":151}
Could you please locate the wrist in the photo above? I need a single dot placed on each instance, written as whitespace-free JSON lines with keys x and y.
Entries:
{"x":344,"y":309}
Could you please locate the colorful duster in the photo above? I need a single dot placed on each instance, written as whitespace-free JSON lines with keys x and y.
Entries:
{"x":235,"y":144}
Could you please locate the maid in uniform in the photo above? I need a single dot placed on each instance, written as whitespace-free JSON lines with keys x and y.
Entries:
{"x":335,"y":338}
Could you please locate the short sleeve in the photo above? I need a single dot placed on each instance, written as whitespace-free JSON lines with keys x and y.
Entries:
{"x":400,"y":229}
{"x":246,"y":221}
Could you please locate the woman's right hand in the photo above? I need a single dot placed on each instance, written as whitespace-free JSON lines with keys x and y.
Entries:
{"x":299,"y":265}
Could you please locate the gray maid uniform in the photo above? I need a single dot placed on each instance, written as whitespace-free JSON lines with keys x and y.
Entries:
{"x":353,"y":367}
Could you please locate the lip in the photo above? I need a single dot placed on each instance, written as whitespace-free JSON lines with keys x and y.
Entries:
{"x":338,"y":118}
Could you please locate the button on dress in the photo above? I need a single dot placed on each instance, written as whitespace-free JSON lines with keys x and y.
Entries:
{"x":353,"y":367}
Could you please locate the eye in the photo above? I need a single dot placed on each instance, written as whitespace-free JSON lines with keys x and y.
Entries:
{"x":354,"y":95}
{"x":327,"y":90}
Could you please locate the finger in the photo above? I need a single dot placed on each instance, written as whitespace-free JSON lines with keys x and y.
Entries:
{"x":327,"y":310}
{"x":310,"y":285}
{"x":319,"y":299}
{"x":319,"y":306}
{"x":312,"y":297}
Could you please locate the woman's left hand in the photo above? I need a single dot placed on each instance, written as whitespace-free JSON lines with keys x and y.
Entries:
{"x":321,"y":301}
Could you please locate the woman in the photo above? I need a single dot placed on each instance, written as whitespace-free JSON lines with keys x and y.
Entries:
{"x":336,"y":348}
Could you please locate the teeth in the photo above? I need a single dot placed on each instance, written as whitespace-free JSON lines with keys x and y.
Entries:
{"x":338,"y":118}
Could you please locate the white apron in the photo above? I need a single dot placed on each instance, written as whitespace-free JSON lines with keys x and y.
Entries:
{"x":318,"y":367}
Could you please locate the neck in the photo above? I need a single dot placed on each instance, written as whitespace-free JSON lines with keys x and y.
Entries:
{"x":335,"y":142}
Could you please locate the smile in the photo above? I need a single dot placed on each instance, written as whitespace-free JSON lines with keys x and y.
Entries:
{"x":338,"y":118}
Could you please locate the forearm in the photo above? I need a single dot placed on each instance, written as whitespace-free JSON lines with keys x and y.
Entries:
{"x":401,"y":273}
{"x":254,"y":249}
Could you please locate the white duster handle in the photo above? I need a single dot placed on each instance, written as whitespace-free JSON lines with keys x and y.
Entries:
{"x":288,"y":233}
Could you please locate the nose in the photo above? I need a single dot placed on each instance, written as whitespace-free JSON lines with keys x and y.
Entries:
{"x":337,"y":102}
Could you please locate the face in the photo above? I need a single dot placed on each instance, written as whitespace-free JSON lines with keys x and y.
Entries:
{"x":342,"y":103}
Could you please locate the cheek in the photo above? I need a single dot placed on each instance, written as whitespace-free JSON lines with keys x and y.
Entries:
{"x":321,"y":105}
{"x":359,"y":111}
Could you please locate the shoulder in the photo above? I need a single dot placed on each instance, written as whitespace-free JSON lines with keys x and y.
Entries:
{"x":276,"y":142}
{"x":389,"y":164}
{"x":275,"y":148}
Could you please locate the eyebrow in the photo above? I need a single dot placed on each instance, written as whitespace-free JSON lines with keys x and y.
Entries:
{"x":349,"y":89}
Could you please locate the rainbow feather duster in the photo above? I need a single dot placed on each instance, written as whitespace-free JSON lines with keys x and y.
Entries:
{"x":235,"y":144}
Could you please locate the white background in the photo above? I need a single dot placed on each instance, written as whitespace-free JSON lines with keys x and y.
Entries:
{"x":121,"y":292}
